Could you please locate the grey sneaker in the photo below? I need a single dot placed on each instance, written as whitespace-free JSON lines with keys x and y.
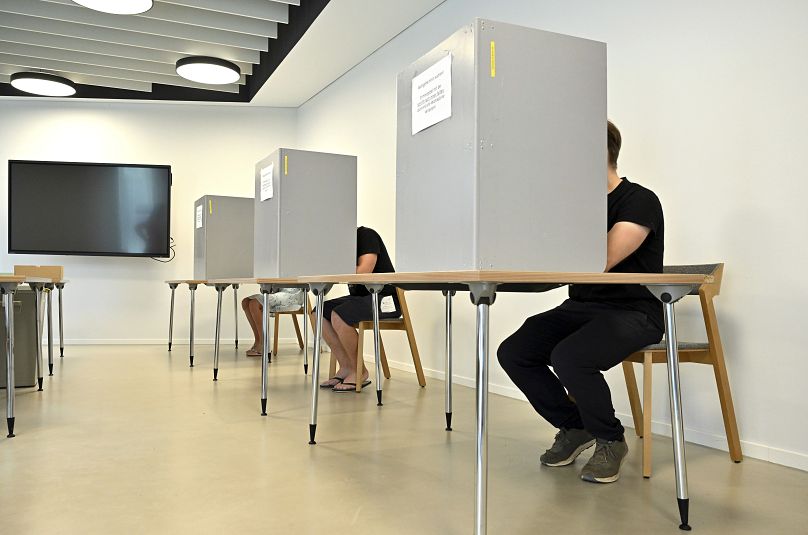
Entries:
{"x":569,"y":443}
{"x":604,"y":466}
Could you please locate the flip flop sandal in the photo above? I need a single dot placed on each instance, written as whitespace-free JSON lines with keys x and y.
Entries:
{"x":365,"y":383}
{"x":251,"y":353}
{"x":339,"y":380}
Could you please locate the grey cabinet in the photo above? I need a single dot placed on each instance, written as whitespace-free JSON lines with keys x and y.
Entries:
{"x":223,"y":237}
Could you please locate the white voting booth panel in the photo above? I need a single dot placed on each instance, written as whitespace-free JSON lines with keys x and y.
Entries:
{"x":223,"y":237}
{"x":305,"y":214}
{"x":501,"y":153}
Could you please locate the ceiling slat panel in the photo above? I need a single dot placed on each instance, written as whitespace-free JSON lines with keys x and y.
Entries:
{"x":95,"y":33}
{"x":109,"y":72}
{"x":7,"y":70}
{"x":83,"y":15}
{"x":28,"y":44}
{"x":259,"y":9}
{"x":205,"y":18}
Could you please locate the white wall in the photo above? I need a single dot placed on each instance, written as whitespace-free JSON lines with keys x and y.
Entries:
{"x":710,"y":97}
{"x":212,"y":150}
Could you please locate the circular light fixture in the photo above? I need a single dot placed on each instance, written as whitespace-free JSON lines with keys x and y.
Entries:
{"x":118,"y":7}
{"x":208,"y":70}
{"x":46,"y":85}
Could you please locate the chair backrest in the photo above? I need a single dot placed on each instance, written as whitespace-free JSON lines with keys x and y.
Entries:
{"x":716,"y":270}
{"x":405,"y":311}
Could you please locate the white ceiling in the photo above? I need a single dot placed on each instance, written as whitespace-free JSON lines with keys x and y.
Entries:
{"x":345,"y":33}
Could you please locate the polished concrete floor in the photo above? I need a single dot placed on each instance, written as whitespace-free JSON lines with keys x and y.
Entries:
{"x":129,"y":439}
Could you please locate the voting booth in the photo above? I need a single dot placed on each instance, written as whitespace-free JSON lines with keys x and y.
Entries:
{"x":501,"y":153}
{"x":305,"y":214}
{"x":223,"y":237}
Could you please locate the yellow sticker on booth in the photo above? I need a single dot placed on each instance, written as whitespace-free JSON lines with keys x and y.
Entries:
{"x":493,"y":59}
{"x":210,"y":206}
{"x":285,"y":164}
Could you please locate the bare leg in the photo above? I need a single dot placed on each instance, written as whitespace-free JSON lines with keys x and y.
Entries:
{"x":330,"y":336}
{"x":245,"y":305}
{"x":255,"y":314}
{"x":349,"y":339}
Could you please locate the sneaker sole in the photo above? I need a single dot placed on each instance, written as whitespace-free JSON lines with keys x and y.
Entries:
{"x":571,"y":459}
{"x":610,"y":479}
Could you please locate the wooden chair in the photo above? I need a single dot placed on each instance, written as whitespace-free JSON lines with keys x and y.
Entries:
{"x":294,"y":314}
{"x":711,"y":353}
{"x":404,"y":323}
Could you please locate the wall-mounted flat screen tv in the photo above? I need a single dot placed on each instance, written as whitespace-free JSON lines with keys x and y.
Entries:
{"x":88,"y":209}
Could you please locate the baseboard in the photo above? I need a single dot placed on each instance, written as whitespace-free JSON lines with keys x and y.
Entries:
{"x":161,"y":341}
{"x":754,"y":450}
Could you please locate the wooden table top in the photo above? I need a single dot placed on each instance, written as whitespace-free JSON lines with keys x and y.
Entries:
{"x":507,"y":277}
{"x":22,"y":279}
{"x":186,"y":281}
{"x":260,"y":280}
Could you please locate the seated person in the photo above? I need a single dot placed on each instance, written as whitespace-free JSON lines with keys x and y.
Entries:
{"x":284,"y":300}
{"x":592,"y":331}
{"x":341,"y":315}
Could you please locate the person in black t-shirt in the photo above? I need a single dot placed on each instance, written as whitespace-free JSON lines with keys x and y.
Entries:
{"x":341,"y":315}
{"x":592,"y":331}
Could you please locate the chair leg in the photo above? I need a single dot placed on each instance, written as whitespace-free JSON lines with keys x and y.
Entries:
{"x":360,"y":357}
{"x":727,"y":409}
{"x":416,"y":358}
{"x":275,"y":341}
{"x":383,"y":355}
{"x":297,"y":331}
{"x":647,"y":438}
{"x":633,"y":396}
{"x":332,"y":366}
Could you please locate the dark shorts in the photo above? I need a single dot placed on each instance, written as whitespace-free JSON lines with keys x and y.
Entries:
{"x":355,"y":308}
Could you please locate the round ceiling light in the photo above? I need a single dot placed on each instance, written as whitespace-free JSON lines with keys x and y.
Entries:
{"x":46,"y":85}
{"x":207,"y":70}
{"x":118,"y":7}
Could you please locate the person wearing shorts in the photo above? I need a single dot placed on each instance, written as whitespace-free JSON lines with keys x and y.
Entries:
{"x":284,"y":300}
{"x":341,"y":315}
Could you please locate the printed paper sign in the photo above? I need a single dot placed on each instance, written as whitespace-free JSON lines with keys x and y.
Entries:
{"x":432,"y":95}
{"x":267,"y":174}
{"x":199,"y":216}
{"x":387,"y":305}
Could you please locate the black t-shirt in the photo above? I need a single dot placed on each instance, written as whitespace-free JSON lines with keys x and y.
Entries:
{"x":368,"y":241}
{"x":635,"y":204}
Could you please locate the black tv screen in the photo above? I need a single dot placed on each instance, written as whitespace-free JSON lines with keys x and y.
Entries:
{"x":88,"y":208}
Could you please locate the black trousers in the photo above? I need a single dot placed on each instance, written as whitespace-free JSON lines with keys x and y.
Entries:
{"x":579,"y":340}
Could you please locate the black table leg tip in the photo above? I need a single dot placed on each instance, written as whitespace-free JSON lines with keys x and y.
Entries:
{"x":50,"y":369}
{"x":169,"y":347}
{"x":236,"y":344}
{"x":683,"y":510}
{"x":215,"y":374}
{"x":39,"y":382}
{"x":269,"y":357}
{"x":448,"y":421}
{"x":10,"y":423}
{"x":263,"y":407}
{"x":62,"y":353}
{"x":306,"y":369}
{"x":312,"y":431}
{"x":379,"y":398}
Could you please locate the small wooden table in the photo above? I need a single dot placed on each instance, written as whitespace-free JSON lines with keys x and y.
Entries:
{"x":267,"y":286}
{"x":8,"y":285}
{"x":483,"y":285}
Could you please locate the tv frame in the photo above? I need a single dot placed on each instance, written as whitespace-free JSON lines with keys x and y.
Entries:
{"x":167,"y":253}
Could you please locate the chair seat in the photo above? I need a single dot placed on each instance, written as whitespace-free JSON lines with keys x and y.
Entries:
{"x":693,"y":346}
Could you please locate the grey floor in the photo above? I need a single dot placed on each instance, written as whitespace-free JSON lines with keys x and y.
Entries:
{"x":128,"y":439}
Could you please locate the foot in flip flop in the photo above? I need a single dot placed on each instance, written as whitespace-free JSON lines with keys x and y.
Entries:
{"x":331,"y":383}
{"x":254,"y":351}
{"x":349,"y":386}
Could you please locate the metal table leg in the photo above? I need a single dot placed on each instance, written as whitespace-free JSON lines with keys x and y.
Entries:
{"x":218,"y":331}
{"x":265,"y":352}
{"x":319,"y":291}
{"x":50,"y":329}
{"x":59,"y":287}
{"x":7,"y":291}
{"x":305,"y":331}
{"x":374,"y":290}
{"x":192,"y":287}
{"x":669,"y":295}
{"x":235,"y":313}
{"x":448,"y":378}
{"x":482,"y":295}
{"x":38,"y":328}
{"x":171,"y":316}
